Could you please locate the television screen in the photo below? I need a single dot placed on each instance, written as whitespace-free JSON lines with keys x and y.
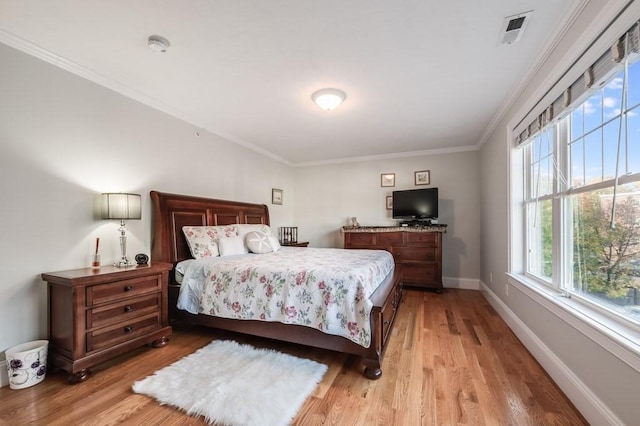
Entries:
{"x":421,"y":204}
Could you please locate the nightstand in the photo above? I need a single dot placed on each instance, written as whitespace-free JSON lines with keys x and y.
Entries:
{"x":95,"y":315}
{"x":296,"y":244}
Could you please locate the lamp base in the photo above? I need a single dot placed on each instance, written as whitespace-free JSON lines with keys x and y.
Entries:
{"x":124,"y":263}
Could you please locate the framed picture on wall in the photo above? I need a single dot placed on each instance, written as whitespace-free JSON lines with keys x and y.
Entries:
{"x":276,"y":196}
{"x":389,"y":202}
{"x":388,"y":179}
{"x":422,"y":177}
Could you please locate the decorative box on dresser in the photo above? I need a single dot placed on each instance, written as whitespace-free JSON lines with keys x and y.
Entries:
{"x":95,"y":315}
{"x":417,"y":248}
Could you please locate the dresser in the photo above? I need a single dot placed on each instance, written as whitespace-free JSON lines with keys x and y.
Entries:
{"x":95,"y":315}
{"x":416,"y":250}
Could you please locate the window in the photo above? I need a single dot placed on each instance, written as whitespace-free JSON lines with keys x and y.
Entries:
{"x":538,"y":205}
{"x":581,"y":202}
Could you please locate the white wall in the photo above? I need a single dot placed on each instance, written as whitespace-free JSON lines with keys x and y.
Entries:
{"x":603,"y":387}
{"x":64,"y":140}
{"x":327,"y":196}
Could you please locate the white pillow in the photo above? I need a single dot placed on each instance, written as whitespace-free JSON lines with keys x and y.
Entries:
{"x":259,"y":242}
{"x":275,"y":244}
{"x":231,"y":245}
{"x":202,"y":240}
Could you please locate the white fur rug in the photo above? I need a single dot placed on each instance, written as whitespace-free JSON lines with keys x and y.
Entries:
{"x":235,"y":384}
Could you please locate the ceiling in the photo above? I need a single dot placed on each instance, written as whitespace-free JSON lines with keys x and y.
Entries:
{"x":420,"y":75}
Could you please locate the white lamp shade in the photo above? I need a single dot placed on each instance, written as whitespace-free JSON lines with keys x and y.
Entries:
{"x":121,"y":206}
{"x":328,"y":99}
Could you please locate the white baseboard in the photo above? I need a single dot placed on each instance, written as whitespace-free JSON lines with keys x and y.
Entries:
{"x":461,"y":283}
{"x":4,"y":374}
{"x":590,"y":406}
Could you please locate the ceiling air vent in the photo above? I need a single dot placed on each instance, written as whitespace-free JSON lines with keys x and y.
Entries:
{"x":513,"y":27}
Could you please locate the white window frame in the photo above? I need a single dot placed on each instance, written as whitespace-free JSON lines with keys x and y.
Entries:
{"x":609,"y":330}
{"x":561,"y":277}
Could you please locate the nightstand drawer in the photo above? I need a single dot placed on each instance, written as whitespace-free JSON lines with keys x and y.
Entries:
{"x":122,"y":311}
{"x":112,"y":335}
{"x":115,"y":291}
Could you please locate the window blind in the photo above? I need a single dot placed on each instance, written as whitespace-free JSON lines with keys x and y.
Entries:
{"x":611,"y":61}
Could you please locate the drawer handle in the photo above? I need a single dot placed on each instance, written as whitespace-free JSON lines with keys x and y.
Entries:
{"x":128,"y":329}
{"x":128,"y":288}
{"x":128,"y":308}
{"x":387,"y":322}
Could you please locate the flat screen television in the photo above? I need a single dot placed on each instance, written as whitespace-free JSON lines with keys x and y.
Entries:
{"x":415,"y":204}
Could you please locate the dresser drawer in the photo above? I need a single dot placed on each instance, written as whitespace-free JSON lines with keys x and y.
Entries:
{"x":115,"y":291}
{"x":122,"y":311}
{"x":389,"y":238}
{"x":419,"y":273}
{"x":417,"y":254}
{"x":364,"y":240}
{"x":112,"y":335}
{"x":426,"y":239}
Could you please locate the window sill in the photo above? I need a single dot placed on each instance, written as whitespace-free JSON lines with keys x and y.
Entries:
{"x":617,"y":337}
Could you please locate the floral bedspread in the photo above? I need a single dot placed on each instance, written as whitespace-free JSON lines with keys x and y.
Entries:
{"x":328,"y":289}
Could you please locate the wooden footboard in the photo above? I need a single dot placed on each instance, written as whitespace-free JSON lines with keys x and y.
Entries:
{"x":171,"y":212}
{"x":383,"y":315}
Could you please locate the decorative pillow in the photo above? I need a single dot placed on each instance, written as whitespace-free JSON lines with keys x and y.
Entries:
{"x":231,"y":245}
{"x":245,"y":228}
{"x":202,"y":240}
{"x":259,"y":242}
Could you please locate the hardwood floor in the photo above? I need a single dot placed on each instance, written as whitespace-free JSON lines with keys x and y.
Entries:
{"x":451,"y":360}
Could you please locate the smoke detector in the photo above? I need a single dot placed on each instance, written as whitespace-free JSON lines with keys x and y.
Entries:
{"x":513,"y":27}
{"x":158,"y":44}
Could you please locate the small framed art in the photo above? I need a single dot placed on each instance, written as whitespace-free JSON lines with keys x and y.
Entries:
{"x":389,"y":202}
{"x":276,"y":196}
{"x":388,"y":179}
{"x":422,"y":177}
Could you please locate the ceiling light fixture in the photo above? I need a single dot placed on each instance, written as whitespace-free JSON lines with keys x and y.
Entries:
{"x":158,"y":44}
{"x":328,"y":99}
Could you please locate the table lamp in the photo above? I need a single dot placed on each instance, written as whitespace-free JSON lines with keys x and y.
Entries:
{"x":122,"y":206}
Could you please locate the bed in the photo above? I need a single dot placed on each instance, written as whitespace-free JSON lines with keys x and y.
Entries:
{"x":172,"y":212}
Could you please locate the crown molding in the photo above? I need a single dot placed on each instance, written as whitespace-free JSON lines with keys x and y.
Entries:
{"x":436,"y":151}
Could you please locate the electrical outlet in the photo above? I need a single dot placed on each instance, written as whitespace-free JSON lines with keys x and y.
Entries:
{"x":491,"y":277}
{"x":506,"y":290}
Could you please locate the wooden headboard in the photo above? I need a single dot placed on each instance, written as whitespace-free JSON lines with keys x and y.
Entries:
{"x":172,"y":211}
